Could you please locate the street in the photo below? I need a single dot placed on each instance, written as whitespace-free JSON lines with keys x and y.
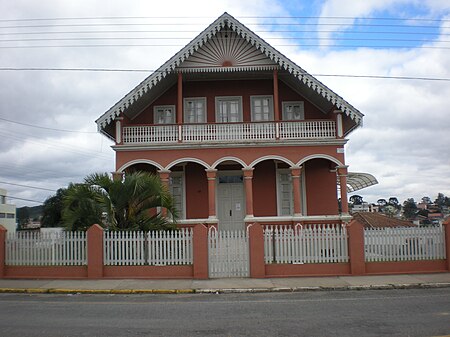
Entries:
{"x":402,"y":312}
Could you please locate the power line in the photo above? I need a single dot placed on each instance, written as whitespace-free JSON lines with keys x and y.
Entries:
{"x":201,"y":24}
{"x":189,"y":38}
{"x":196,"y":31}
{"x":180,"y":45}
{"x":211,"y":17}
{"x":44,"y":127}
{"x":11,"y":197}
{"x":151,"y":71}
{"x":28,"y":186}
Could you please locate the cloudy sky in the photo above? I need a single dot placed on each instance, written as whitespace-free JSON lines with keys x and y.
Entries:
{"x":47,"y":129}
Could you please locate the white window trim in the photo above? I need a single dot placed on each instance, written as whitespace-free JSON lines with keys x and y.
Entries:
{"x":205,"y":113}
{"x":278,"y":187}
{"x":285,"y":103}
{"x":228,"y":98}
{"x":271,"y":113}
{"x":155,"y":109}
{"x":183,"y":192}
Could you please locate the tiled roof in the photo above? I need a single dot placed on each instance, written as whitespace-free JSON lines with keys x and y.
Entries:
{"x":378,"y":220}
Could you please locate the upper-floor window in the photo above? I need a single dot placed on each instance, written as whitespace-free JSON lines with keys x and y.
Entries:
{"x":164,"y":114}
{"x":195,"y":110}
{"x":262,"y":108}
{"x":293,"y":111}
{"x":229,"y":109}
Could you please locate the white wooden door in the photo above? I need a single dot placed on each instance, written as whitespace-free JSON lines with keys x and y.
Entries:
{"x":231,"y":208}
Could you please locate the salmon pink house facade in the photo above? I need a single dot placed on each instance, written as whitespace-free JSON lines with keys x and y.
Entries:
{"x":238,"y":133}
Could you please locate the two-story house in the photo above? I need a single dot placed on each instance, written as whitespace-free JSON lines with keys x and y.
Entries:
{"x":239,"y":133}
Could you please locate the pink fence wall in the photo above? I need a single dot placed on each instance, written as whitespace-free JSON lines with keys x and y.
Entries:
{"x":95,"y":268}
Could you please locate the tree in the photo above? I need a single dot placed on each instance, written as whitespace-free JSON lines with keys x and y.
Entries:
{"x":52,"y":211}
{"x":128,"y":204}
{"x":409,"y":208}
{"x":426,"y":200}
{"x":356,"y":199}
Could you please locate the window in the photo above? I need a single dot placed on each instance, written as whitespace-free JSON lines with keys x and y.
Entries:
{"x":262,"y":108}
{"x":164,"y":114}
{"x":293,"y":111}
{"x":10,"y":215}
{"x":229,"y":109}
{"x":2,"y":215}
{"x":195,"y":110}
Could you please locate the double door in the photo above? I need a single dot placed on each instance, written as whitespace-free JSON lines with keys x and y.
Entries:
{"x":231,"y":206}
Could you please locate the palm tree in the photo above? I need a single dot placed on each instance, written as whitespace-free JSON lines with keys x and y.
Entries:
{"x":128,"y":204}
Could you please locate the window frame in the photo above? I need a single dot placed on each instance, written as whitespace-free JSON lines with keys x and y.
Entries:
{"x":164,"y":107}
{"x":271,"y":107}
{"x":293,"y":103}
{"x":219,"y":99}
{"x":195,"y":99}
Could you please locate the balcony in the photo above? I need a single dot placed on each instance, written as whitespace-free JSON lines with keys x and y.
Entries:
{"x":229,"y":132}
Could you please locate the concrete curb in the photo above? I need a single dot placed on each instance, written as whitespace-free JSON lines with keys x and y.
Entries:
{"x":221,"y":290}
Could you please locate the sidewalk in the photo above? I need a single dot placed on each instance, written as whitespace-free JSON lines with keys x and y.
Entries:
{"x":225,"y":285}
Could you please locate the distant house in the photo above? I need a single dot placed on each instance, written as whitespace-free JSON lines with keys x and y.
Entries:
{"x":378,"y":220}
{"x":7,"y":213}
{"x":238,"y":133}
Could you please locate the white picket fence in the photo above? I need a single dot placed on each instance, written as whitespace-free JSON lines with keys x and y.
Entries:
{"x":315,"y":243}
{"x":46,"y":249}
{"x":159,"y":248}
{"x":228,"y":252}
{"x":404,"y":244}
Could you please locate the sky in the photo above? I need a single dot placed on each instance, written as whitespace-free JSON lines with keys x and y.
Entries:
{"x":47,"y":129}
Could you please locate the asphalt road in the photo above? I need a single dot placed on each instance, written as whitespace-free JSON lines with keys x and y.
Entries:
{"x":402,"y":312}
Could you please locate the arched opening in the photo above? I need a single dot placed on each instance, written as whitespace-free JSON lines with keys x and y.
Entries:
{"x":321,"y":188}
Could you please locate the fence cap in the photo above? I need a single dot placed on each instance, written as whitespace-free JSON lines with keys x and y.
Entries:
{"x":95,"y":228}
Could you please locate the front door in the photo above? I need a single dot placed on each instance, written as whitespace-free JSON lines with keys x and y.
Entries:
{"x":231,"y":208}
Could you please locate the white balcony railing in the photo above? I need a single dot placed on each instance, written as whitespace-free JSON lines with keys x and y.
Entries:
{"x":233,"y":132}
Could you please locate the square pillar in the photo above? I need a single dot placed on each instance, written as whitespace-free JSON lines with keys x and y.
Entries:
{"x":342,"y":176}
{"x":356,"y":253}
{"x":95,"y":251}
{"x":211,"y":175}
{"x":200,"y":251}
{"x":256,"y":251}
{"x":248,"y":182}
{"x":276,"y":105}
{"x":3,"y":232}
{"x":296,"y":175}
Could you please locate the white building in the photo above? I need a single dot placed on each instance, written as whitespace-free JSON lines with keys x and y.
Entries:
{"x":7,"y":213}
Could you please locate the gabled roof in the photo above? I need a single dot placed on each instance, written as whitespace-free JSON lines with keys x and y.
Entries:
{"x":180,"y":63}
{"x":377,"y":220}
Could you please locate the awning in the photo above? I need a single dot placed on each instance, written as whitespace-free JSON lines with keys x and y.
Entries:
{"x":357,"y":181}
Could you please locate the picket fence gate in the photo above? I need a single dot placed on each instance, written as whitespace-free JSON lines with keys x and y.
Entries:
{"x":228,"y":252}
{"x":314,"y":243}
{"x":404,"y":244}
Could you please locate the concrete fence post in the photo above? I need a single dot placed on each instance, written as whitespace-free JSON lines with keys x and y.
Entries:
{"x":95,"y":251}
{"x":256,"y":251}
{"x":446,"y":225}
{"x":3,"y":232}
{"x":356,"y":254}
{"x":200,"y":251}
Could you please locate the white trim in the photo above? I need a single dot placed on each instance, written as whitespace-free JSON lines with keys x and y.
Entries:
{"x":223,"y":159}
{"x":139,"y":161}
{"x":187,"y":160}
{"x":319,"y":156}
{"x":195,"y":99}
{"x":229,"y":99}
{"x":164,"y":107}
{"x":252,"y":112}
{"x":286,"y":103}
{"x":183,"y":190}
{"x":278,"y":172}
{"x":303,"y":193}
{"x":274,"y":157}
{"x":317,"y":218}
